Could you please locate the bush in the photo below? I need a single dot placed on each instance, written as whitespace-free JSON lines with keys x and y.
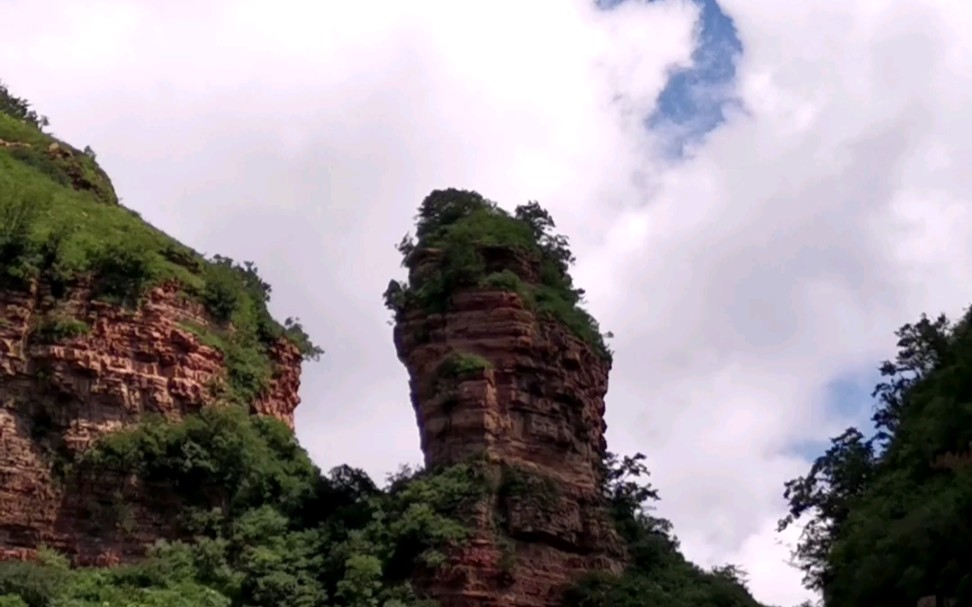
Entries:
{"x":223,"y":292}
{"x":461,"y":364}
{"x":56,"y":327}
{"x":459,"y":227}
{"x":18,"y":251}
{"x":504,"y":281}
{"x":35,"y":584}
{"x":266,"y":527}
{"x":122,"y":272}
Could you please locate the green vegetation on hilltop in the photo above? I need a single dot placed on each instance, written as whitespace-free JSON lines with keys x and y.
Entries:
{"x":462,"y":227}
{"x":888,"y":517}
{"x":59,"y":225}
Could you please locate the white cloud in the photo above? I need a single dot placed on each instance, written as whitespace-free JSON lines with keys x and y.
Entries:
{"x":783,"y":253}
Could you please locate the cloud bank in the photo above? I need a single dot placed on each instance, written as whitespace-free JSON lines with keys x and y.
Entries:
{"x":777,"y":255}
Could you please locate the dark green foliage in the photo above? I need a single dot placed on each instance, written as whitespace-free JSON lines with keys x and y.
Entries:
{"x":19,"y":109}
{"x":235,"y":294}
{"x":19,"y":253}
{"x":35,"y":586}
{"x":223,"y":292}
{"x":475,"y":241}
{"x":221,"y":457}
{"x":164,"y":580}
{"x":122,"y":271}
{"x":888,"y":516}
{"x":267,"y":528}
{"x":658,"y":574}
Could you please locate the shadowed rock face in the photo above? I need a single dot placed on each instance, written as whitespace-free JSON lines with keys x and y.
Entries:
{"x":57,"y":398}
{"x":537,"y":414}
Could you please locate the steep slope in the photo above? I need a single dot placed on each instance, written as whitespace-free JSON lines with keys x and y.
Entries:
{"x":102,"y":320}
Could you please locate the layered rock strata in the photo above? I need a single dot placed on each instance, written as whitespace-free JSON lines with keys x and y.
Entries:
{"x":58,"y":395}
{"x":536,"y":412}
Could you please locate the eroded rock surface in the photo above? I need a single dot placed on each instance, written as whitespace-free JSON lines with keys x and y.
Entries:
{"x":537,"y":414}
{"x":56,"y":398}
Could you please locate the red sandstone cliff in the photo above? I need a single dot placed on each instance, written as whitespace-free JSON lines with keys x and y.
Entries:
{"x":58,"y":397}
{"x":536,"y":413}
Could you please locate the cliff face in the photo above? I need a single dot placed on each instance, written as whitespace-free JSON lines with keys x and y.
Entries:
{"x":72,"y":369}
{"x":530,"y":398}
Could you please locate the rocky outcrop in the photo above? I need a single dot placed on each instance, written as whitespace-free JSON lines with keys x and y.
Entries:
{"x":72,"y":369}
{"x":530,"y":398}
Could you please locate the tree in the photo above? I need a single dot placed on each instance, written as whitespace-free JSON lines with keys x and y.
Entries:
{"x":20,"y":108}
{"x":888,"y":517}
{"x":836,"y":479}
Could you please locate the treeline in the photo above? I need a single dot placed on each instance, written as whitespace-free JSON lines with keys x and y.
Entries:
{"x":889,"y":516}
{"x":265,"y":528}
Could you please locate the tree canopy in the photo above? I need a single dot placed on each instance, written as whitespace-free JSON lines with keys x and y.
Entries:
{"x":463,"y":226}
{"x":887,"y":515}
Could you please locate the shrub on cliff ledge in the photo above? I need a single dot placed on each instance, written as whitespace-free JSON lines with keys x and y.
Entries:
{"x":460,"y":364}
{"x":460,"y":227}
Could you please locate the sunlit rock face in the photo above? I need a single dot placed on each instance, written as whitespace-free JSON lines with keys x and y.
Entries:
{"x":57,"y":398}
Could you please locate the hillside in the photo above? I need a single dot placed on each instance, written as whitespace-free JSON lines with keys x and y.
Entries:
{"x":147,"y":454}
{"x":889,"y":515}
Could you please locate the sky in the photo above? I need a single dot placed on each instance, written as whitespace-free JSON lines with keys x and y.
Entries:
{"x":758,"y":193}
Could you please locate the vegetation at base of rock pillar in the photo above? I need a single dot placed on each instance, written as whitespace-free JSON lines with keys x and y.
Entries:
{"x":658,"y":573}
{"x":62,"y":226}
{"x":263,"y":526}
{"x":888,"y":516}
{"x":465,"y":230}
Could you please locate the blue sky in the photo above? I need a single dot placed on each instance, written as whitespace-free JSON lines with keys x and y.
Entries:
{"x":848,"y":397}
{"x":694,"y":100}
{"x":693,"y":104}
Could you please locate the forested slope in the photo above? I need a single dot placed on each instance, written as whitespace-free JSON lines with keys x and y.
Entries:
{"x":890,"y":512}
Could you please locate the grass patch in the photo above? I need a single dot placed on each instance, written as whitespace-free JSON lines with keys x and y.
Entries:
{"x":464,"y":228}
